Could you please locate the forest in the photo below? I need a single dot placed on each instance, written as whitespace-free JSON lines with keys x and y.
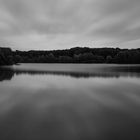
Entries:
{"x":73,"y":55}
{"x":6,"y":56}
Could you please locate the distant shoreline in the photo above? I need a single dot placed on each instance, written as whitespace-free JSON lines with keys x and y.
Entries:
{"x":77,"y":55}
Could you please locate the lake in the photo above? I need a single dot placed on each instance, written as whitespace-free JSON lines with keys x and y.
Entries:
{"x":70,"y":102}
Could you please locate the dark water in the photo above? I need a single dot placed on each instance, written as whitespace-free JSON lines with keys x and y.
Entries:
{"x":70,"y":102}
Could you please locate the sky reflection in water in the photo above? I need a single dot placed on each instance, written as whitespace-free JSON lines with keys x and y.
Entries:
{"x":69,"y":105}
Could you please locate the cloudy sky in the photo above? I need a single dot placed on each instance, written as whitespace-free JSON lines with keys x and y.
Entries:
{"x":59,"y":24}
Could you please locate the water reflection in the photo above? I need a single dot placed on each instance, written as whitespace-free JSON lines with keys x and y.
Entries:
{"x":6,"y":73}
{"x":46,"y":105}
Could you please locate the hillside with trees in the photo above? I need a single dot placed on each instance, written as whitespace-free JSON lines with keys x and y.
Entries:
{"x":6,"y":56}
{"x":73,"y":55}
{"x":80,"y":55}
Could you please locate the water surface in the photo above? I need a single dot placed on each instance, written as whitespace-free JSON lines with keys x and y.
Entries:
{"x":70,"y":102}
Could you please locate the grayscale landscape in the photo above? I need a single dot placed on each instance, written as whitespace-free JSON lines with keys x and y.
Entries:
{"x":69,"y":70}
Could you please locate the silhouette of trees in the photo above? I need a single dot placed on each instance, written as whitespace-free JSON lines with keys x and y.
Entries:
{"x":128,"y":57}
{"x":6,"y":56}
{"x":109,"y":59}
{"x":73,"y":55}
{"x":81,"y":55}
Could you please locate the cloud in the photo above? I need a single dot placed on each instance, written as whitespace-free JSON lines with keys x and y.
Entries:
{"x":52,"y":24}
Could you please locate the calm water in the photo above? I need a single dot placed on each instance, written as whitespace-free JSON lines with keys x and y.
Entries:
{"x":70,"y":102}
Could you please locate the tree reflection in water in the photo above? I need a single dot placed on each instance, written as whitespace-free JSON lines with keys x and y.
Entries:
{"x":102,"y":105}
{"x":6,"y":73}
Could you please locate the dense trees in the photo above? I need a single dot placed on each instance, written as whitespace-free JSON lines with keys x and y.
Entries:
{"x":127,"y":57}
{"x":73,"y":55}
{"x":80,"y":55}
{"x":6,"y":56}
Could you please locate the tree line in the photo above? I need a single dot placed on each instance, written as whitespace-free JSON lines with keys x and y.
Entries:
{"x":73,"y":55}
{"x":6,"y":56}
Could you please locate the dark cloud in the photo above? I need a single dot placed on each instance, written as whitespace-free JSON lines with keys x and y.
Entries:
{"x":49,"y":24}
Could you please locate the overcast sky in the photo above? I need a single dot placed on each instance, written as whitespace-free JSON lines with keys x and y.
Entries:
{"x":59,"y":24}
